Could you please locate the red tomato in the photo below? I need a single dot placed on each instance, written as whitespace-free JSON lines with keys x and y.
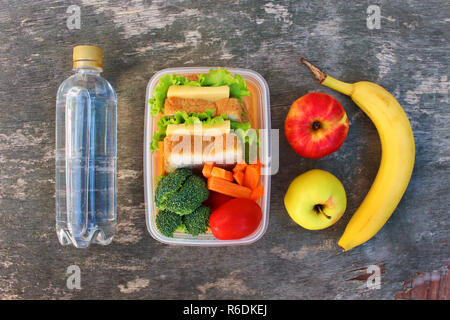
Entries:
{"x":235,"y":219}
{"x":216,"y":199}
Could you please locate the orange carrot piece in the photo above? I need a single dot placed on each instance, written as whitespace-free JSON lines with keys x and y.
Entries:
{"x":228,"y":188}
{"x":252,"y":176}
{"x":259,"y":163}
{"x":222,"y":173}
{"x":239,"y":177}
{"x":257,"y":193}
{"x":239,"y":167}
{"x":160,"y":158}
{"x":207,"y":168}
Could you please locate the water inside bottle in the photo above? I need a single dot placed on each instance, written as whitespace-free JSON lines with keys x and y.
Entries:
{"x":86,"y":161}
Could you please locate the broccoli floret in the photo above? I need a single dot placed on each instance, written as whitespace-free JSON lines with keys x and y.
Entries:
{"x":167,"y":222}
{"x":182,"y":228}
{"x":197,"y":221}
{"x":190,"y":196}
{"x":170,"y":184}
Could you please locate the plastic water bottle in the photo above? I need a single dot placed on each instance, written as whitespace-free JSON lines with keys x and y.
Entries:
{"x":86,"y":150}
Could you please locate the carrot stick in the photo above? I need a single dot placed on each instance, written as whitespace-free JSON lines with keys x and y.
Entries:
{"x":160,"y":158}
{"x":239,"y":177}
{"x":222,"y":173}
{"x":239,"y":167}
{"x":228,"y":188}
{"x":252,"y":176}
{"x":207,"y":168}
{"x":257,"y":193}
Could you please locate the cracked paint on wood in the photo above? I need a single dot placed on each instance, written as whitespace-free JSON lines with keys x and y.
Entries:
{"x":408,"y":56}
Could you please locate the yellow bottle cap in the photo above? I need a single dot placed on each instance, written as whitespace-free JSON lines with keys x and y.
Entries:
{"x":87,"y":56}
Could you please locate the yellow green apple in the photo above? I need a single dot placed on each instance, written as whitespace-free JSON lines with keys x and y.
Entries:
{"x":315,"y":199}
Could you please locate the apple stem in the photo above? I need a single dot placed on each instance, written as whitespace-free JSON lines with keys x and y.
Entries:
{"x":319,"y":208}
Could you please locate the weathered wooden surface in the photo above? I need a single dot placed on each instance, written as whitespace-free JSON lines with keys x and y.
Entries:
{"x":408,"y":55}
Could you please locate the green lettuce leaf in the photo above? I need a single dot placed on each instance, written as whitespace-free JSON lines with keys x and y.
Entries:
{"x":160,"y":91}
{"x":221,"y":77}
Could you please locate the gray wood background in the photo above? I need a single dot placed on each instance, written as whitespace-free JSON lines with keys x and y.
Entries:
{"x":408,"y":55}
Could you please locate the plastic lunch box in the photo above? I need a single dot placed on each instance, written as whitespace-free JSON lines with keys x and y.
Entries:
{"x":256,"y":84}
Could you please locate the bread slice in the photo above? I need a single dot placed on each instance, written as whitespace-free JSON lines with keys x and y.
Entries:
{"x":192,"y":151}
{"x":231,"y":107}
{"x":174,"y":104}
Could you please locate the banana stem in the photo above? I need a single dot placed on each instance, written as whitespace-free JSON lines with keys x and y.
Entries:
{"x":319,"y":74}
{"x":326,"y":80}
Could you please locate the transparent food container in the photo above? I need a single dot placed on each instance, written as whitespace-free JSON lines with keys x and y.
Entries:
{"x":260,"y":106}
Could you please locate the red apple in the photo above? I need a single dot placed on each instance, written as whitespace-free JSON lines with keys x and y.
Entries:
{"x":316,"y":125}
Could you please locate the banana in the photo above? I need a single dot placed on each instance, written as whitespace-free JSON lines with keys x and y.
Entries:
{"x":397,"y":158}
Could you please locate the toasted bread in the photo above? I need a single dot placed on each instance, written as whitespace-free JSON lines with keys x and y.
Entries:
{"x":229,"y":106}
{"x":192,"y":151}
{"x":174,"y":104}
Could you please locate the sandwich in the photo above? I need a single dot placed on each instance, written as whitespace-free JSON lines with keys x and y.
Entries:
{"x":202,"y":118}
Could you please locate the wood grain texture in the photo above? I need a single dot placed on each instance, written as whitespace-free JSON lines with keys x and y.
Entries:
{"x":408,"y":56}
